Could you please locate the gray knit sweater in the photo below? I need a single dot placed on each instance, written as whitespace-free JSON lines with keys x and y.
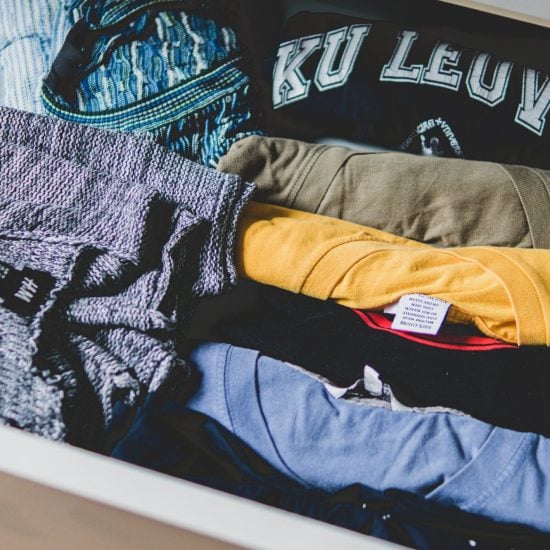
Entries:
{"x":132,"y":235}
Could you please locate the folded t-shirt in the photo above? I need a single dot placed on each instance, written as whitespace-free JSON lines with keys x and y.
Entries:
{"x":495,"y":382}
{"x":505,"y":292}
{"x":326,"y":443}
{"x":445,"y":202}
{"x":168,"y":437}
{"x":408,"y":89}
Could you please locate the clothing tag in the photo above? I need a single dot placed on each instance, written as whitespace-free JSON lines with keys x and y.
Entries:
{"x":335,"y":391}
{"x":420,"y":313}
{"x":338,"y":392}
{"x":392,"y":308}
{"x":372,"y":381}
{"x":24,"y":290}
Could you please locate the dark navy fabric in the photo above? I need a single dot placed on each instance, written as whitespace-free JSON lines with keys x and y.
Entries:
{"x":507,"y":387}
{"x":169,"y":438}
{"x":452,"y":102}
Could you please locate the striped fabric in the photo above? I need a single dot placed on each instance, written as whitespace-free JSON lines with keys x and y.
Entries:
{"x":25,"y":44}
{"x":162,"y":108}
{"x":151,"y":67}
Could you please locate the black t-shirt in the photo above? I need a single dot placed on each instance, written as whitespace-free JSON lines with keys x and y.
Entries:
{"x":408,"y":89}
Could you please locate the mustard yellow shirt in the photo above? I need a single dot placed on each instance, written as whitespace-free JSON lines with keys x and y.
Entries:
{"x":504,"y":291}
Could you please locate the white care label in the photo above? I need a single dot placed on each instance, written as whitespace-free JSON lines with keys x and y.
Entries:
{"x":420,"y":313}
{"x":392,"y":308}
{"x":338,"y":392}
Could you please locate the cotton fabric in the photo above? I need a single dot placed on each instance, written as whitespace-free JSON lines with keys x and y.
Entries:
{"x":439,"y":201}
{"x":465,"y":372}
{"x":503,"y":291}
{"x":413,"y":88}
{"x":170,"y":438}
{"x":292,"y":421}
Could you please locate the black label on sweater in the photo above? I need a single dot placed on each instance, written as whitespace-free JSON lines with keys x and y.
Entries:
{"x":24,"y":290}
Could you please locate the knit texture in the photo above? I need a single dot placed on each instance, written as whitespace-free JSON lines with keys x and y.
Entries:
{"x":132,"y":242}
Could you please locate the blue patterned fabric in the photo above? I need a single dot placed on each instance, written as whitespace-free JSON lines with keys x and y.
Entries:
{"x":149,"y":67}
{"x":25,"y":45}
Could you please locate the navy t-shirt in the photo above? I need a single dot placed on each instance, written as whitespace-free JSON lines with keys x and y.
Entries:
{"x":408,"y":89}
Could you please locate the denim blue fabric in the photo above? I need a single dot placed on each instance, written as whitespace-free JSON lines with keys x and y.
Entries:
{"x":293,"y":422}
{"x":26,"y":28}
{"x":132,"y":243}
{"x":153,"y":67}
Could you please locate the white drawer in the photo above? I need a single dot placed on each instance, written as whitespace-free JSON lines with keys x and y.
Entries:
{"x":530,"y":11}
{"x":54,"y":496}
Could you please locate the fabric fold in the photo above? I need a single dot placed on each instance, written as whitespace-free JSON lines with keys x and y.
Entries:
{"x":503,"y":291}
{"x":439,"y":201}
{"x":105,"y":265}
{"x":327,"y":443}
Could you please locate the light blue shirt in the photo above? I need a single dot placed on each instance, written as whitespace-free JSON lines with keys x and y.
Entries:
{"x":292,"y":421}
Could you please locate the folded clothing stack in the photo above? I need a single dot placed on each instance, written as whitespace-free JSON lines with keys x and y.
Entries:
{"x":382,"y":364}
